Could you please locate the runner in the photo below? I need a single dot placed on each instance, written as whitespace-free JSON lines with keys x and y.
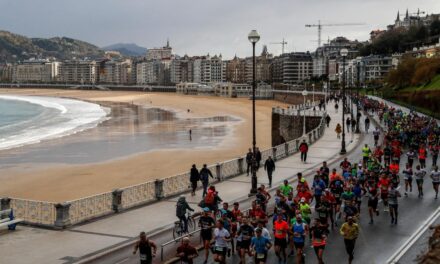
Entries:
{"x":373,"y":199}
{"x":221,"y":237}
{"x":280,"y":232}
{"x":299,"y":230}
{"x":384,"y":184}
{"x":186,"y":253}
{"x":206,"y":224}
{"x":376,"y":134}
{"x":350,"y":231}
{"x":147,"y":249}
{"x":393,"y":195}
{"x":246,"y":232}
{"x":411,"y":155}
{"x":260,"y":246}
{"x":286,"y":188}
{"x":366,"y":151}
{"x":422,"y":156}
{"x":419,"y":174}
{"x":319,"y":234}
{"x":408,"y":176}
{"x":435,"y":176}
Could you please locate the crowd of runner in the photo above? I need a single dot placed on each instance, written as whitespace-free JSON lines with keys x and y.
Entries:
{"x":303,"y":214}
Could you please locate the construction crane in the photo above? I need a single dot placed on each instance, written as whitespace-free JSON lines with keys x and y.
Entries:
{"x":319,"y":26}
{"x":282,"y":43}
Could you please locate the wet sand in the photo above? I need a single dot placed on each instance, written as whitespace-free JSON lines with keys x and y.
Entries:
{"x":58,"y":181}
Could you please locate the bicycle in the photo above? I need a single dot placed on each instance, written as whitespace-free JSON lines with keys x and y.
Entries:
{"x":178,"y":226}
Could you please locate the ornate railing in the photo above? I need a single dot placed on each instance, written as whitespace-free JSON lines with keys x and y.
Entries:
{"x":34,"y":212}
{"x":77,"y":211}
{"x":90,"y":207}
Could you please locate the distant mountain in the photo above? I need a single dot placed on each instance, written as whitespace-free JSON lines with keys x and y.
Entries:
{"x":14,"y":47}
{"x":127,"y":49}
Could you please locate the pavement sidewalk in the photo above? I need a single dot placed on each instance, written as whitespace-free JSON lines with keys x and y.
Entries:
{"x":80,"y":242}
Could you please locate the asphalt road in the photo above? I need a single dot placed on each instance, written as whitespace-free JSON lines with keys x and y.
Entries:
{"x":376,"y":243}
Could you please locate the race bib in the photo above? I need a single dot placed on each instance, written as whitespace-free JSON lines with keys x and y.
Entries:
{"x":220,"y":249}
{"x":143,"y":257}
{"x":260,"y":256}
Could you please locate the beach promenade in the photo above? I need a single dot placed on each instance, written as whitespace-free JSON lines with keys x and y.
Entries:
{"x":95,"y":240}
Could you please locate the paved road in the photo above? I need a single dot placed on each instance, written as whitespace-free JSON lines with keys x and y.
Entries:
{"x":375,"y":244}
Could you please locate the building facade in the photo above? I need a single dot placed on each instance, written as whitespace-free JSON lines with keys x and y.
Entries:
{"x":83,"y":72}
{"x":292,"y":68}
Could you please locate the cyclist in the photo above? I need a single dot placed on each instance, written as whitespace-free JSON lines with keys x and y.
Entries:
{"x":435,"y":176}
{"x":181,"y":207}
{"x":419,"y":174}
{"x":206,"y":223}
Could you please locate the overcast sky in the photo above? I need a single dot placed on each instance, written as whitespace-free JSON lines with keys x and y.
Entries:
{"x":196,"y":27}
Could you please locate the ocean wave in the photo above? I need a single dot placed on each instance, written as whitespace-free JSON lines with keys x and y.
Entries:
{"x":61,"y":117}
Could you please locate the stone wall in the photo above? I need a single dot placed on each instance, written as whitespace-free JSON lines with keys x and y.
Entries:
{"x":295,"y":98}
{"x":289,"y":127}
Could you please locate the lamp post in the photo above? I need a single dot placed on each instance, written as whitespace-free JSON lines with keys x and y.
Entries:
{"x":304,"y":93}
{"x":313,"y":93}
{"x":358,"y":117}
{"x":253,"y":38}
{"x":344,"y":53}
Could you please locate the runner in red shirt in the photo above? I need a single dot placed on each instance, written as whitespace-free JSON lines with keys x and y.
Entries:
{"x":384,"y":184}
{"x":304,"y":193}
{"x":280,"y":228}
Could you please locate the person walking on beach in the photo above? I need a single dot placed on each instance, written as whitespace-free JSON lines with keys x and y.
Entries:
{"x":304,"y":148}
{"x":269,"y":166}
{"x":194,"y":178}
{"x":338,"y":130}
{"x":205,"y":173}
{"x":147,"y":249}
{"x":249,"y":157}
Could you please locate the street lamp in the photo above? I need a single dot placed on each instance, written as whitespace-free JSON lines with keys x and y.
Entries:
{"x":253,"y":38}
{"x":304,"y":93}
{"x":344,"y":53}
{"x":358,"y":117}
{"x":313,"y":93}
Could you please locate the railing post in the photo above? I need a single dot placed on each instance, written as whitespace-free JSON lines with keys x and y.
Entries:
{"x":62,"y":215}
{"x":240,"y":166}
{"x":5,"y":203}
{"x":297,"y":144}
{"x":158,"y":189}
{"x":117,"y":200}
{"x":310,"y":138}
{"x":218,"y":170}
{"x":314,"y":135}
{"x":286,"y":149}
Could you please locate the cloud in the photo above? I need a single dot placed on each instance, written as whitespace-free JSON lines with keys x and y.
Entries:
{"x":200,"y":26}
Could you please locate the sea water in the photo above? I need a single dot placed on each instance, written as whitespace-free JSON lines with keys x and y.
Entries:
{"x":30,"y":119}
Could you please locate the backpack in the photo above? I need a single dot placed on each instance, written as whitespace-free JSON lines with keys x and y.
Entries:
{"x":209,"y":198}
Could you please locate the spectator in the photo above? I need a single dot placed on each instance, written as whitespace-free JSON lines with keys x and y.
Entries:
{"x":249,"y":157}
{"x":205,"y":173}
{"x":269,"y":167}
{"x":304,"y":148}
{"x":194,"y":178}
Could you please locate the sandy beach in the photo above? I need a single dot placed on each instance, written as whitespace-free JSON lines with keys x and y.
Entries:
{"x":61,"y":182}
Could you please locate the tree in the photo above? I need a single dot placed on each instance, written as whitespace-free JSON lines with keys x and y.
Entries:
{"x":434,"y":28}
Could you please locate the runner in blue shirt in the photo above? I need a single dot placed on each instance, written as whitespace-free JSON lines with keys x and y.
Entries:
{"x":260,"y":246}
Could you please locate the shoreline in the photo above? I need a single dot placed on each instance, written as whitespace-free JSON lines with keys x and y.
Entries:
{"x":60,"y":182}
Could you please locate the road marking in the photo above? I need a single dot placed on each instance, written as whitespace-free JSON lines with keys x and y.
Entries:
{"x":122,"y":261}
{"x":394,"y":259}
